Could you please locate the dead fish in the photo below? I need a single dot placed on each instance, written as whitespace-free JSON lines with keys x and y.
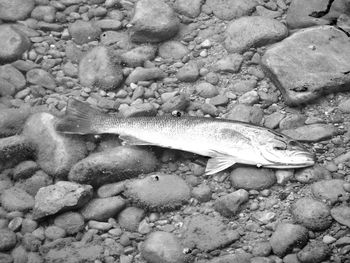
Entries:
{"x":226,"y":142}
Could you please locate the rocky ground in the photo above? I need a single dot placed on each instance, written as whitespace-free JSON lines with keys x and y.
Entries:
{"x":278,"y":63}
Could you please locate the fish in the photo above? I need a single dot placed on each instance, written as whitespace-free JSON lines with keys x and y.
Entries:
{"x":225,"y":142}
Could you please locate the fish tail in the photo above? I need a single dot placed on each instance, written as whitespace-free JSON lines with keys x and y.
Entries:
{"x":80,"y":118}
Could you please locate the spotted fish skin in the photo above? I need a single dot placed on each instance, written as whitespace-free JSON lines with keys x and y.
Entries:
{"x":225,"y":141}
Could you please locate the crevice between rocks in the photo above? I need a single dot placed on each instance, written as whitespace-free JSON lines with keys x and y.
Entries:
{"x":319,"y":14}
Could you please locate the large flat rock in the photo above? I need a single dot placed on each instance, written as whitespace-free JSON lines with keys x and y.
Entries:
{"x":309,"y":63}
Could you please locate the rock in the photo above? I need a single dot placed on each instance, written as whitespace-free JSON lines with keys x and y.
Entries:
{"x":344,"y":106}
{"x":231,"y":9}
{"x":249,"y":178}
{"x":5,"y":258}
{"x":32,"y":184}
{"x":98,"y":68}
{"x":188,"y":73}
{"x":60,"y":197}
{"x":108,"y":190}
{"x":13,"y":77}
{"x":305,"y":14}
{"x":108,"y":24}
{"x":311,"y":133}
{"x":231,"y":63}
{"x":12,"y":120}
{"x":56,"y":153}
{"x":130,"y":218}
{"x":113,"y":165}
{"x":31,"y":243}
{"x":138,"y":110}
{"x":163,"y":247}
{"x":330,"y":190}
{"x":14,"y":43}
{"x":262,"y":249}
{"x":303,"y":74}
{"x":273,"y":120}
{"x":101,"y":226}
{"x":19,"y":254}
{"x":83,"y":32}
{"x":6,"y":88}
{"x":239,"y":258}
{"x":24,"y":170}
{"x":311,"y":174}
{"x":243,"y":86}
{"x":254,"y":31}
{"x":153,"y":21}
{"x":172,"y":50}
{"x":13,"y":10}
{"x":16,"y":199}
{"x":228,"y":205}
{"x":245,"y":113}
{"x":71,"y":222}
{"x":137,"y":56}
{"x":179,"y":102}
{"x":292,"y":121}
{"x":7,"y":239}
{"x":287,"y":237}
{"x":219,"y":100}
{"x":191,"y":9}
{"x":14,"y":150}
{"x":42,"y":78}
{"x":341,"y":214}
{"x":314,"y":252}
{"x":102,"y":209}
{"x":158,"y":192}
{"x":206,"y":90}
{"x":54,"y":232}
{"x":202,"y":193}
{"x":140,"y":74}
{"x":45,"y":13}
{"x":249,"y":98}
{"x":312,"y":214}
{"x":207,"y":233}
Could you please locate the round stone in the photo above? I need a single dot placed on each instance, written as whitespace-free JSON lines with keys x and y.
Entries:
{"x":7,"y":239}
{"x":71,"y":222}
{"x":13,"y":10}
{"x":250,"y":178}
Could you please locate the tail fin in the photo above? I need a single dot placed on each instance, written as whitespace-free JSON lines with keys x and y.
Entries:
{"x":80,"y":118}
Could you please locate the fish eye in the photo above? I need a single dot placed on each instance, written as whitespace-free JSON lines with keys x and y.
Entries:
{"x":293,"y":143}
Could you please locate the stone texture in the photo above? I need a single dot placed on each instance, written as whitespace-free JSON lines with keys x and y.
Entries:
{"x":231,"y":9}
{"x":42,"y":78}
{"x":13,"y":10}
{"x":83,"y":32}
{"x":330,"y":190}
{"x":71,"y":222}
{"x":113,"y":165}
{"x":13,"y":76}
{"x":312,"y":174}
{"x":249,"y":178}
{"x":287,"y":237}
{"x":56,"y":153}
{"x":254,"y":31}
{"x":153,"y":21}
{"x":32,"y":184}
{"x":60,"y":197}
{"x":158,"y":192}
{"x":16,"y":199}
{"x":188,"y":8}
{"x":309,"y":63}
{"x":130,"y":218}
{"x":140,"y":74}
{"x":13,"y":44}
{"x":188,"y":73}
{"x":315,"y":252}
{"x":98,"y":68}
{"x":162,"y":247}
{"x":138,"y":55}
{"x":311,"y":133}
{"x":207,"y":233}
{"x":172,"y":50}
{"x":341,"y":214}
{"x":7,"y":240}
{"x":229,"y":204}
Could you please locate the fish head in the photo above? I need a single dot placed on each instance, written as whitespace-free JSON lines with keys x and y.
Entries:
{"x":283,"y":152}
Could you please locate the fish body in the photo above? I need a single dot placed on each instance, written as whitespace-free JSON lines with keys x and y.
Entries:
{"x":226,"y":142}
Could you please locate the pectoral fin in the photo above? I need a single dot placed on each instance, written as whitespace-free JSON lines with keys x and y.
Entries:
{"x":219,"y":163}
{"x":130,"y":140}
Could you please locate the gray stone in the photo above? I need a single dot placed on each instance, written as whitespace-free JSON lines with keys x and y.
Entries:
{"x":237,"y":258}
{"x":330,"y":190}
{"x":13,"y":10}
{"x":191,"y":9}
{"x":42,"y":78}
{"x":153,"y":21}
{"x":14,"y":43}
{"x":6,"y":88}
{"x":108,"y":24}
{"x":206,"y":90}
{"x":56,"y":153}
{"x":54,"y":232}
{"x":83,"y":32}
{"x":24,"y":170}
{"x":287,"y":237}
{"x":312,"y":214}
{"x":116,"y":39}
{"x":7,"y":239}
{"x":71,"y":222}
{"x":13,"y":76}
{"x":113,"y":165}
{"x":305,"y":65}
{"x":311,"y":133}
{"x":130,"y":218}
{"x":344,"y":106}
{"x":231,"y":63}
{"x":246,"y":113}
{"x":314,"y":252}
{"x":102,"y":209}
{"x":98,"y":68}
{"x":60,"y":197}
{"x":202,"y":193}
{"x":273,"y":120}
{"x":12,"y":120}
{"x":16,"y":199}
{"x":137,"y":56}
{"x":341,"y":214}
{"x":179,"y":102}
{"x":292,"y":121}
{"x":158,"y":192}
{"x":243,"y":86}
{"x":188,"y":73}
{"x":249,"y":178}
{"x":34,"y":183}
{"x":207,"y":233}
{"x":312,"y":174}
{"x":228,"y":205}
{"x":231,"y":9}
{"x":172,"y":50}
{"x":249,"y":98}
{"x":45,"y":13}
{"x":108,"y":190}
{"x":219,"y":100}
{"x":138,"y":110}
{"x":254,"y":31}
{"x":140,"y":74}
{"x":162,"y":247}
{"x":6,"y":258}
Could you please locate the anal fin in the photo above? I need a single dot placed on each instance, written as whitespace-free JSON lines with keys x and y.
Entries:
{"x":131,"y":140}
{"x":219,"y":163}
